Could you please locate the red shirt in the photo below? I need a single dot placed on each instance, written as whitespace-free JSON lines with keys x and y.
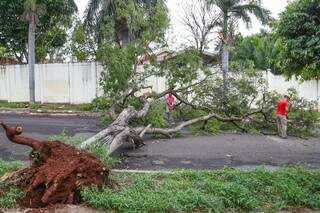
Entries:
{"x":170,"y":100}
{"x":282,"y":105}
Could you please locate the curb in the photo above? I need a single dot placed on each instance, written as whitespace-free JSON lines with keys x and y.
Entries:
{"x":57,"y":113}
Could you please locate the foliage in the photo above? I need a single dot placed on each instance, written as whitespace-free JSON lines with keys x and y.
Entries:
{"x":118,"y":21}
{"x":303,"y":117}
{"x":51,"y":31}
{"x":156,"y":116}
{"x":244,"y":84}
{"x":218,"y":191}
{"x":246,"y":92}
{"x":299,"y":32}
{"x":261,"y":49}
{"x":241,"y":10}
{"x":82,"y":47}
{"x":182,"y":68}
{"x":2,"y":52}
{"x":120,"y":63}
{"x":100,"y":104}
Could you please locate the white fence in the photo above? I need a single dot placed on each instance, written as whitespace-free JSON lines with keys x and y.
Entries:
{"x":79,"y":83}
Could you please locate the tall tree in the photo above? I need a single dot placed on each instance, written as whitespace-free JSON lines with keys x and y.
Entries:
{"x":237,"y":9}
{"x":31,"y":14}
{"x":98,"y":10}
{"x":261,"y":49}
{"x":299,"y":33}
{"x":51,"y":33}
{"x":200,"y":22}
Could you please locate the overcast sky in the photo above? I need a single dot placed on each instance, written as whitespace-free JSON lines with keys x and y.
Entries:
{"x":275,"y":6}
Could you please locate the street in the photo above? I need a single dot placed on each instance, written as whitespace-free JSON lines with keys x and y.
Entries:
{"x":42,"y":127}
{"x":204,"y":152}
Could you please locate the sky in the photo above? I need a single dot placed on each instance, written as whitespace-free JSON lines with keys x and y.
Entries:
{"x":178,"y":30}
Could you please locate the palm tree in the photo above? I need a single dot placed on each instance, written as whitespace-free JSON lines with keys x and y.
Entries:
{"x":31,"y":14}
{"x":237,"y":10}
{"x":98,"y":9}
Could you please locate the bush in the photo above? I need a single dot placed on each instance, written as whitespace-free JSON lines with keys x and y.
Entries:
{"x":100,"y":104}
{"x":246,"y":91}
{"x":156,"y":116}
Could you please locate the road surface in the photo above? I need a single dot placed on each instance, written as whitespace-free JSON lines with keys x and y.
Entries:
{"x":42,"y":128}
{"x":231,"y":150}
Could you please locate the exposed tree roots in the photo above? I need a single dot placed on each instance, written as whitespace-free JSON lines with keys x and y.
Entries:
{"x":58,"y":173}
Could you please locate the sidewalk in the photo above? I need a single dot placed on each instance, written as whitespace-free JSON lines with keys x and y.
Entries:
{"x":46,"y":112}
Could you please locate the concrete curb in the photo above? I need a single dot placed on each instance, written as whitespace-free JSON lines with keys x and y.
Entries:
{"x":42,"y":112}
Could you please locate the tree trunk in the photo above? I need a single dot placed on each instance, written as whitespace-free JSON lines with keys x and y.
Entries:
{"x":225,"y":51}
{"x":125,"y":37}
{"x":31,"y":57}
{"x":225,"y":63}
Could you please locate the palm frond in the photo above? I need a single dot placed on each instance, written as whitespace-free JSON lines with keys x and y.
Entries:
{"x":243,"y":15}
{"x":73,"y":5}
{"x":261,"y":13}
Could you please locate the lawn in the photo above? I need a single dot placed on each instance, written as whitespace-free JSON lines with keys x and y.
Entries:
{"x":36,"y":106}
{"x":209,"y":191}
{"x":201,"y":191}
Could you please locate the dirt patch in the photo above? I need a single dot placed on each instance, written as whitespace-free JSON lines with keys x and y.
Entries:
{"x":57,"y":175}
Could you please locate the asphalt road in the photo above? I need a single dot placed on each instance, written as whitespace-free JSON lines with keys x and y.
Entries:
{"x":42,"y":127}
{"x":225,"y":150}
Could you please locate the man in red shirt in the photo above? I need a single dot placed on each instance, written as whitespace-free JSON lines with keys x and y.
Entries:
{"x":169,"y":104}
{"x":282,"y":116}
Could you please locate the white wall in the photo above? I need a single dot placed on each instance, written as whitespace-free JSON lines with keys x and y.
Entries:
{"x":308,"y":89}
{"x":79,"y":83}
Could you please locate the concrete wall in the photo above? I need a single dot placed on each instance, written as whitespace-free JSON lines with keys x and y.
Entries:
{"x":308,"y":89}
{"x":74,"y":83}
{"x":79,"y":83}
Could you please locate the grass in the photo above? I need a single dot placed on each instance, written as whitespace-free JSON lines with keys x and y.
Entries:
{"x":9,"y":195}
{"x":209,"y":191}
{"x":6,"y":166}
{"x":25,"y":105}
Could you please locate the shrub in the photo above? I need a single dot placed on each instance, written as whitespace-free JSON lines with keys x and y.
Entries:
{"x":100,"y":104}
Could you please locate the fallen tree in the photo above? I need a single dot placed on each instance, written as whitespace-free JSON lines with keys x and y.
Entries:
{"x":120,"y":132}
{"x":58,"y":172}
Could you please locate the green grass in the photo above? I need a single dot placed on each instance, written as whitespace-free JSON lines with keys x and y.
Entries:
{"x":6,"y":166}
{"x":209,"y":191}
{"x":9,"y":195}
{"x":25,"y":105}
